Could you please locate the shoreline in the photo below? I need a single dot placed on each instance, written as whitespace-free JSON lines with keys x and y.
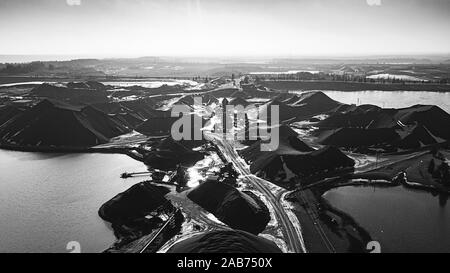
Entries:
{"x":72,"y":150}
{"x":326,"y":229}
{"x":290,"y":85}
{"x":366,"y":179}
{"x":325,"y":225}
{"x":8,"y":79}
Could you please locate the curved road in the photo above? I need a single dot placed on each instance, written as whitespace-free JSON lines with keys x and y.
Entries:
{"x":292,"y":235}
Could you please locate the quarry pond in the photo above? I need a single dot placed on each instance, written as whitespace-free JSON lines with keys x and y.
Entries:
{"x":392,"y":99}
{"x":402,"y":220}
{"x":48,"y":200}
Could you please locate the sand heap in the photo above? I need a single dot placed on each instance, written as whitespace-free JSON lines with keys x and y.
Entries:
{"x":73,"y":92}
{"x":416,"y":136}
{"x":168,"y":153}
{"x":358,"y":137}
{"x":135,"y":212}
{"x":138,"y":201}
{"x":286,"y":112}
{"x":133,"y":113}
{"x":52,"y":123}
{"x":293,"y":158}
{"x":238,"y":101}
{"x":292,"y":99}
{"x":188,"y":99}
{"x":161,"y":124}
{"x":8,"y":112}
{"x":316,"y":103}
{"x":144,"y":108}
{"x":207,"y":99}
{"x":129,"y":117}
{"x":240,"y":94}
{"x":225,"y":241}
{"x":238,"y":210}
{"x":369,"y":125}
{"x":289,"y":142}
{"x":308,"y":105}
{"x":222,"y":92}
{"x":283,"y":96}
{"x":93,"y":85}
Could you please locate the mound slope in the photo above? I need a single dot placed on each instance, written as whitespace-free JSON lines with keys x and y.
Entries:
{"x":301,"y":107}
{"x":293,"y":158}
{"x":225,"y":241}
{"x":86,"y":94}
{"x":137,"y":201}
{"x":52,"y":123}
{"x":236,"y":209}
{"x":407,"y":127}
{"x":357,"y":137}
{"x":8,"y":112}
{"x":167,"y":154}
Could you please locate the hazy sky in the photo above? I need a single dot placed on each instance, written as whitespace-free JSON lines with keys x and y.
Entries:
{"x":224,"y":27}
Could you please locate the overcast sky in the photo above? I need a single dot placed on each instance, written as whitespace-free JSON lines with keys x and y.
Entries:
{"x":224,"y":27}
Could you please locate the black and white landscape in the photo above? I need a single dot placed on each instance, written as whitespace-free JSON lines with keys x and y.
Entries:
{"x":355,"y":95}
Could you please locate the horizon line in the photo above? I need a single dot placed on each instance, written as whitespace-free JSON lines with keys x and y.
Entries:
{"x":73,"y":57}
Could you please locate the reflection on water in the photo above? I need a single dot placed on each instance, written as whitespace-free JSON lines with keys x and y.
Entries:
{"x":402,"y":220}
{"x":47,"y":200}
{"x":397,"y":99}
{"x":394,"y":99}
{"x":23,"y":83}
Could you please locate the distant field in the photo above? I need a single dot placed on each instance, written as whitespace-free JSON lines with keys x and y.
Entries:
{"x":20,"y":79}
{"x":353,"y":86}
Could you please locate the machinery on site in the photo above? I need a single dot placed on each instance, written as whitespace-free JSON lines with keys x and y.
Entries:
{"x":228,"y":175}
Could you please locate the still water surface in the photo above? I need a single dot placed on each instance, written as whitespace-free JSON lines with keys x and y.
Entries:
{"x":402,"y":220}
{"x":47,"y":200}
{"x":397,"y":99}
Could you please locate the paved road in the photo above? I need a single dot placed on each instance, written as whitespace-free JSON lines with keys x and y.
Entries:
{"x":293,"y":237}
